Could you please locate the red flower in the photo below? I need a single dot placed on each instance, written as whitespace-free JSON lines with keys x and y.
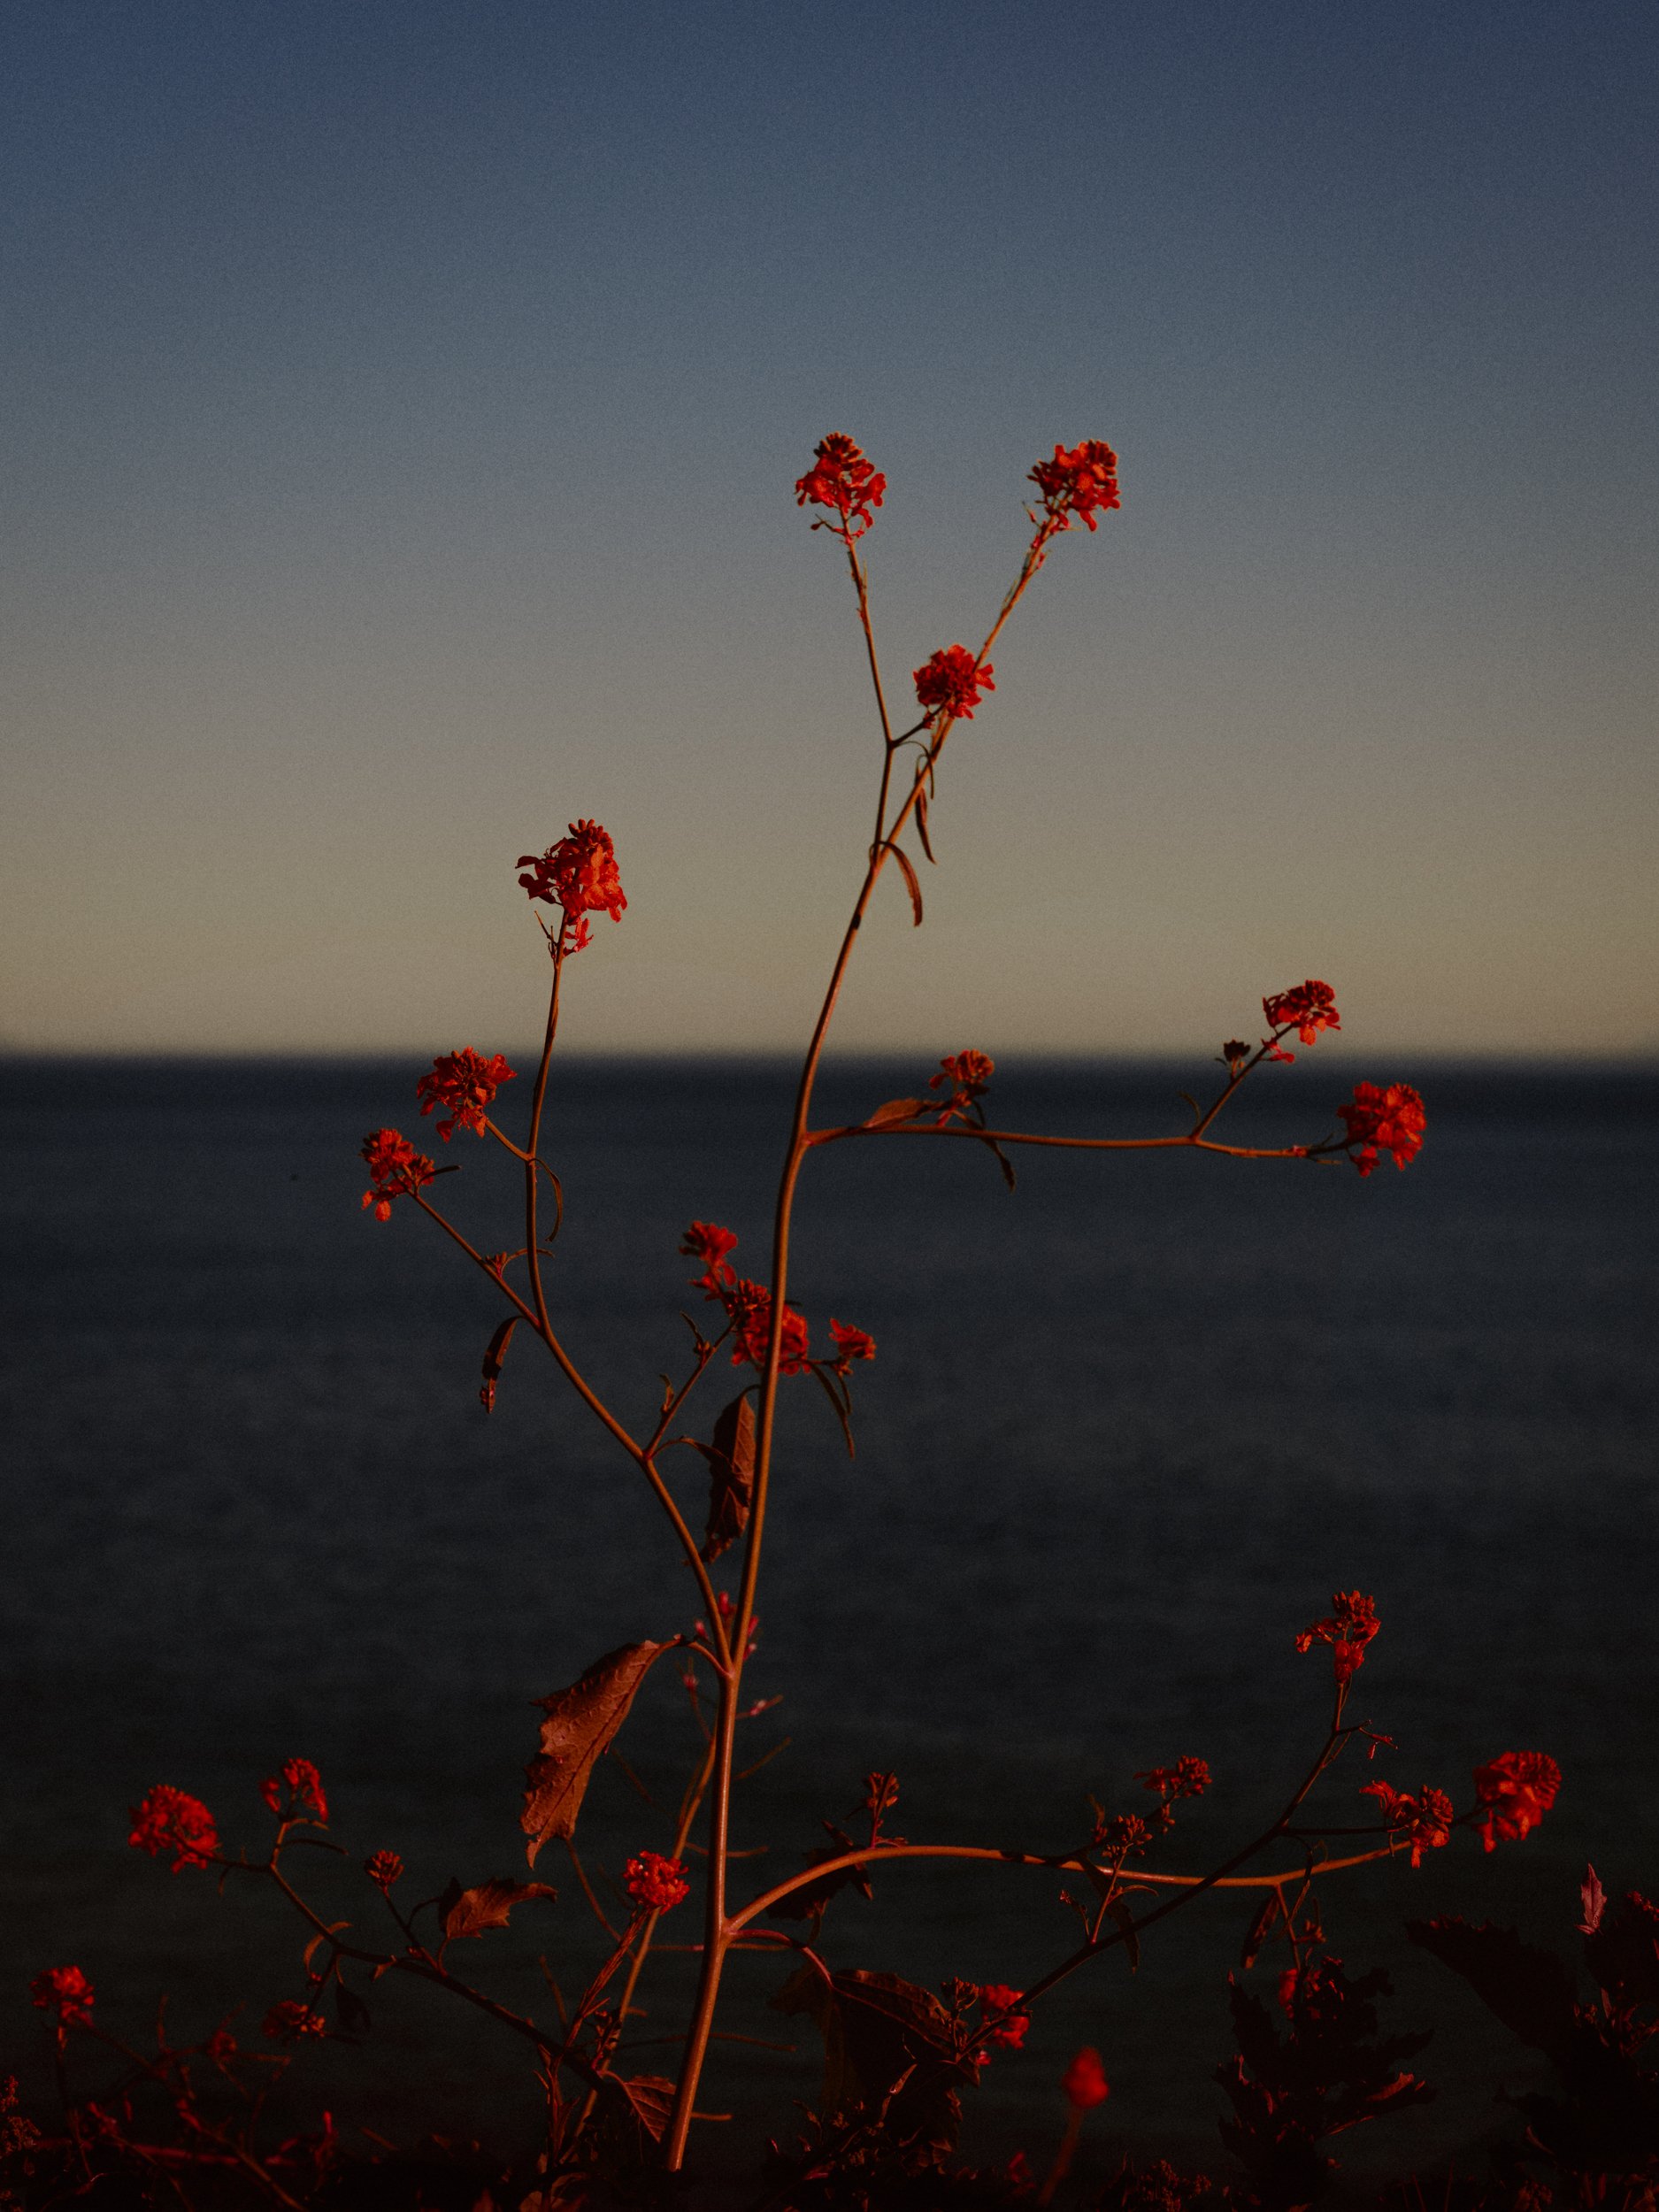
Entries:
{"x":1118,"y":1835}
{"x":842,"y":478}
{"x":1078,"y":482}
{"x":749,"y":1306}
{"x":1426,"y":1819}
{"x":1516,"y":1788}
{"x":706,"y":1241}
{"x":291,"y":2022}
{"x":464,"y":1082}
{"x":578,"y":875}
{"x":383,"y":1868}
{"x":968,"y":1070}
{"x":395,"y":1168}
{"x":1349,"y":1627}
{"x":1384,"y":1121}
{"x":952,"y":683}
{"x":656,"y":1883}
{"x":172,"y":1820}
{"x":1084,"y":2082}
{"x":999,"y":2007}
{"x":298,"y":1786}
{"x":850,"y":1344}
{"x":1187,"y":1778}
{"x":1309,"y":1008}
{"x":65,"y":1991}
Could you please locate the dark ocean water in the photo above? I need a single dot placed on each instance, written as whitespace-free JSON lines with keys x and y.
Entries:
{"x":1128,"y":1430}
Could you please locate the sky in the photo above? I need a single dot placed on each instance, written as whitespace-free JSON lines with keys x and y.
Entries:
{"x":401,"y":406}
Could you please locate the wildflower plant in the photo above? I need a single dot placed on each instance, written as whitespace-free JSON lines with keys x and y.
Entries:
{"x":899,"y":2057}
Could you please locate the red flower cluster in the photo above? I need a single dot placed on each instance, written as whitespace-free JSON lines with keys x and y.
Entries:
{"x":172,"y":1820}
{"x":1078,"y":482}
{"x":656,"y":1883}
{"x":952,"y":683}
{"x":850,"y":1344}
{"x":65,"y":1990}
{"x":299,"y":1787}
{"x":1384,"y":1121}
{"x":1350,"y":1626}
{"x":395,"y":1168}
{"x":1187,"y":1778}
{"x":1425,"y":1819}
{"x":841,"y":477}
{"x":1516,"y":1790}
{"x":748,"y":1304}
{"x":967,"y":1073}
{"x":464,"y":1083}
{"x":383,"y":1868}
{"x":578,"y":875}
{"x":1118,"y":1835}
{"x":1006,"y":2024}
{"x":1083,"y":2084}
{"x":291,"y":2022}
{"x":1308,"y":1007}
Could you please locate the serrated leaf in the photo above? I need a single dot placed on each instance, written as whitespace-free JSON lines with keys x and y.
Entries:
{"x":731,"y":1458}
{"x":911,"y":884}
{"x":580,"y":1725}
{"x":647,"y":2100}
{"x":896,"y":1109}
{"x":469,"y":1912}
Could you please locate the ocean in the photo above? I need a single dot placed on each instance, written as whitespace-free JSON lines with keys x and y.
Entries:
{"x":1128,"y":1429}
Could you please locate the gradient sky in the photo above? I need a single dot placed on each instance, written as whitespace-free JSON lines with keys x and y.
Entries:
{"x":402,"y":404}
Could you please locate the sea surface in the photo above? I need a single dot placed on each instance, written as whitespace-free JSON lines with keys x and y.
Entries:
{"x":1129,"y":1428}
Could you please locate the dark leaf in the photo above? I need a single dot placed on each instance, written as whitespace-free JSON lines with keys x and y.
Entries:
{"x":580,"y":1725}
{"x":1623,"y":1954}
{"x":835,"y":1391}
{"x":648,"y":2100}
{"x":808,"y":1901}
{"x":350,"y":2011}
{"x":731,"y":1458}
{"x":494,"y":1353}
{"x":1118,"y":1908}
{"x":468,"y":1912}
{"x":1530,"y":1991}
{"x":921,"y":822}
{"x":896,"y":1109}
{"x":910,"y":883}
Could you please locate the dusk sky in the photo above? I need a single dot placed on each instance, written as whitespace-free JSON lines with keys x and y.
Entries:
{"x":401,"y":409}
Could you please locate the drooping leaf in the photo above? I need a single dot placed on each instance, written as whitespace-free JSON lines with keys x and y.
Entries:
{"x":350,"y":2011}
{"x":580,"y":1725}
{"x":468,"y":1912}
{"x":835,"y":1391}
{"x":1261,"y":1928}
{"x":808,"y":1901}
{"x":911,"y":884}
{"x":494,"y":1353}
{"x":1594,"y":1900}
{"x":896,"y":1109}
{"x":921,"y":822}
{"x":731,"y":1458}
{"x":1118,"y":1910}
{"x":1530,"y":1991}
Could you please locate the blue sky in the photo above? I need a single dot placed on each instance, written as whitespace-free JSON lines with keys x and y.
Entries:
{"x":401,"y":410}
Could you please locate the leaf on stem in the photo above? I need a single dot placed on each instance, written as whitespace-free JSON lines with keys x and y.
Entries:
{"x":580,"y":1725}
{"x":731,"y":1458}
{"x":468,"y":1912}
{"x":494,"y":1353}
{"x":883,"y":2039}
{"x":921,"y":824}
{"x":350,"y":2011}
{"x":910,"y":881}
{"x":1261,"y":1928}
{"x":896,"y":1109}
{"x":808,"y":1901}
{"x":835,"y":1391}
{"x":1530,"y":1991}
{"x":642,"y":2104}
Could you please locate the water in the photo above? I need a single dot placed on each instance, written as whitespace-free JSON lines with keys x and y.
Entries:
{"x":1128,"y":1430}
